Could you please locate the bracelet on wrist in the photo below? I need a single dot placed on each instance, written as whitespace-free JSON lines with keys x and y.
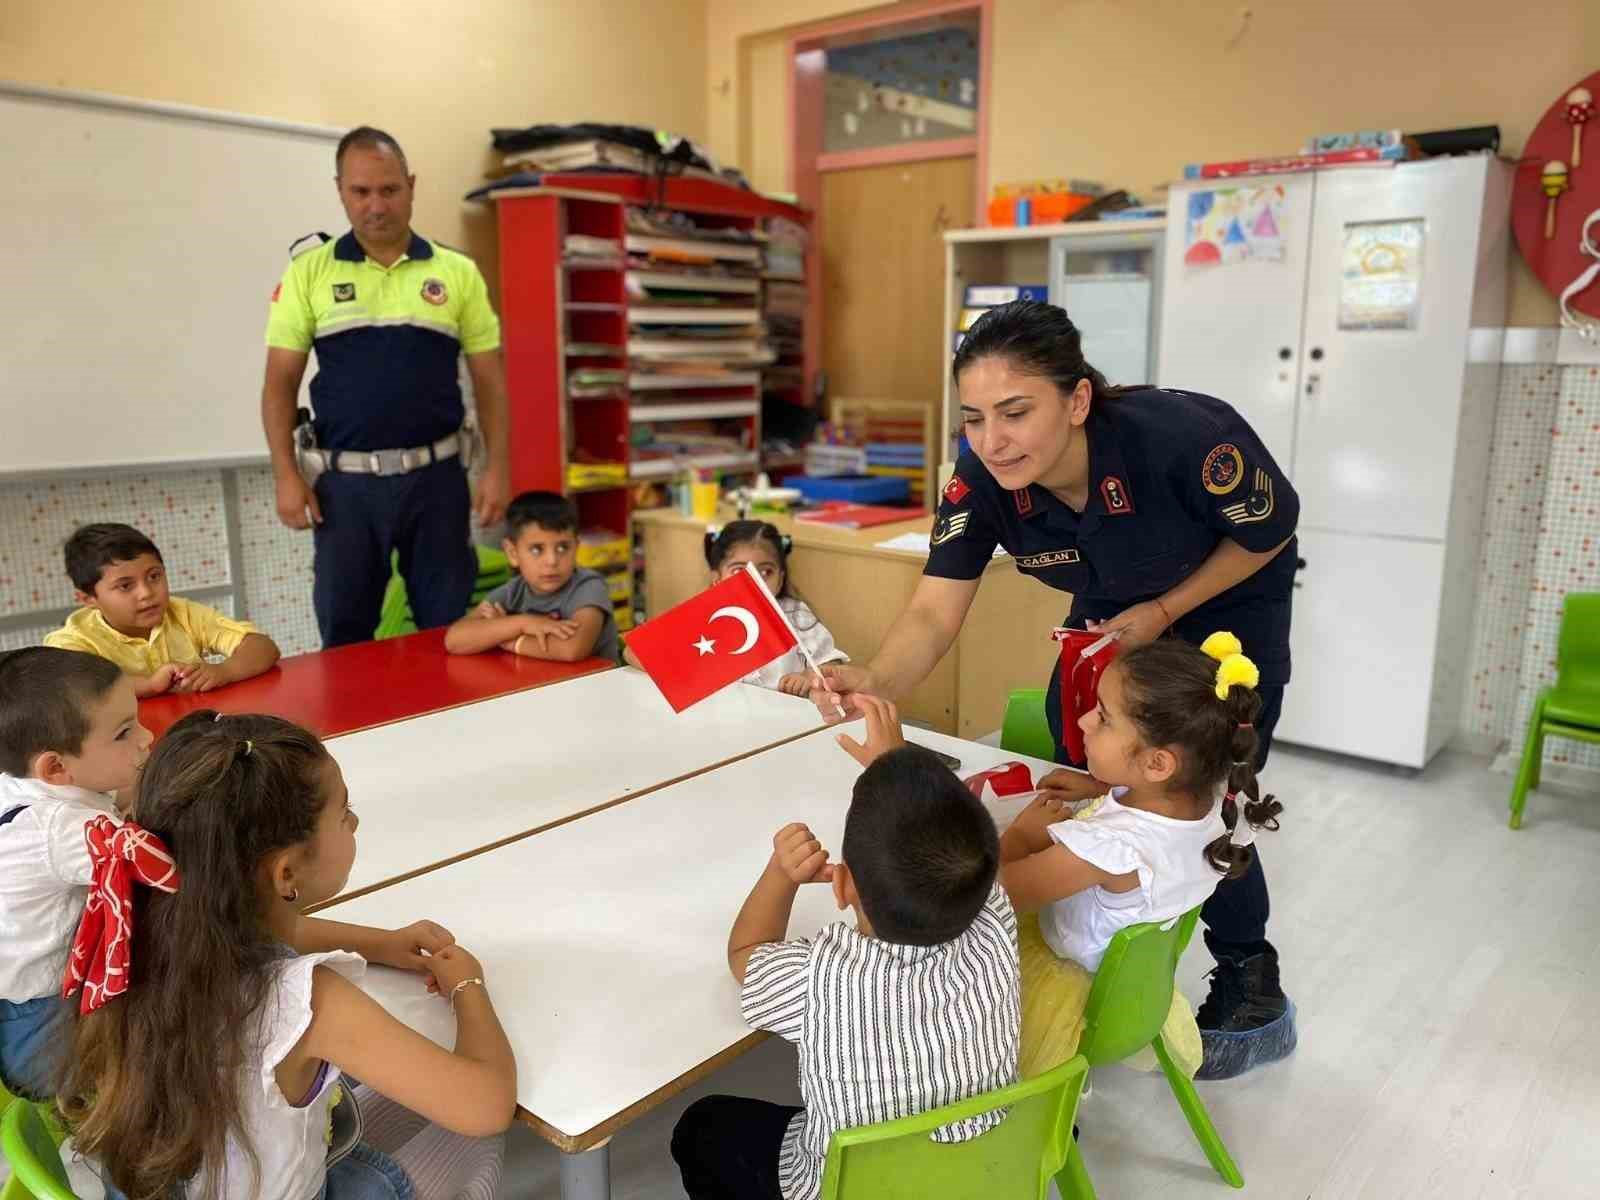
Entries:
{"x":476,"y":979}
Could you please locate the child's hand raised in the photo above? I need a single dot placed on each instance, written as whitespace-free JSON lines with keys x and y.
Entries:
{"x":883,"y":729}
{"x":797,"y":853}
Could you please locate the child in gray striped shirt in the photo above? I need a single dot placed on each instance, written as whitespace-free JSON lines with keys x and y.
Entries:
{"x":914,"y":1007}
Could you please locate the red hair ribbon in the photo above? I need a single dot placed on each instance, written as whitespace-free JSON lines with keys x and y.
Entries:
{"x":119,"y":857}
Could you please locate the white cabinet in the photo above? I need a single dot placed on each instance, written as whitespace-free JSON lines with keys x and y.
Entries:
{"x":1234,"y":331}
{"x":1364,"y":608}
{"x":1363,"y":386}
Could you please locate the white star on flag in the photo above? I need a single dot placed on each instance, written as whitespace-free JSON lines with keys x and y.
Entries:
{"x":705,"y":645}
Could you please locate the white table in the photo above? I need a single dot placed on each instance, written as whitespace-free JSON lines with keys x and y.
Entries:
{"x":434,"y":788}
{"x":605,"y":940}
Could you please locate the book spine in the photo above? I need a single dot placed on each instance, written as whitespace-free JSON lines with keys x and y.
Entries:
{"x":988,"y":295}
{"x":1327,"y":143}
{"x":1292,"y":162}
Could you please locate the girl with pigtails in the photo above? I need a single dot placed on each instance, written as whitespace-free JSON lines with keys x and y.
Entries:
{"x":1174,"y":736}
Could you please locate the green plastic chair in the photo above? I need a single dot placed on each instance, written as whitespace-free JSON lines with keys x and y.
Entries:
{"x":30,"y":1146}
{"x":1570,"y":709}
{"x":1025,"y":729}
{"x":1128,"y":1005}
{"x":395,"y":618}
{"x":1013,"y":1161}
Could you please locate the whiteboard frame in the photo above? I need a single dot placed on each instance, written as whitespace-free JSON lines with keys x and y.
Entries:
{"x":185,"y":112}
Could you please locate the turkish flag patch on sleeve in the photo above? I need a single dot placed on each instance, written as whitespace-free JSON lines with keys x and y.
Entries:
{"x":956,"y":490}
{"x":712,"y":640}
{"x":276,"y":292}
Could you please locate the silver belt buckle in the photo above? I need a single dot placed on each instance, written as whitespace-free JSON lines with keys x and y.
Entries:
{"x":387,"y":462}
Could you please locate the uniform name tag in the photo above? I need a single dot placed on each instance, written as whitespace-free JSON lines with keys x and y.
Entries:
{"x":1050,"y":558}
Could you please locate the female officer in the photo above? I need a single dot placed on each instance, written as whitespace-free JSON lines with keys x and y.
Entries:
{"x":1156,"y":510}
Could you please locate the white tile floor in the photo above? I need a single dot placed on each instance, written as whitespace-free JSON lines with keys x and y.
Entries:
{"x":1445,"y":971}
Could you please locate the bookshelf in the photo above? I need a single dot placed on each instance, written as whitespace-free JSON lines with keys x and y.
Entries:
{"x":632,"y":313}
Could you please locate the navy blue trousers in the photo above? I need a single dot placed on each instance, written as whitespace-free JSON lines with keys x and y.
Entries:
{"x":424,"y":516}
{"x":1236,"y":915}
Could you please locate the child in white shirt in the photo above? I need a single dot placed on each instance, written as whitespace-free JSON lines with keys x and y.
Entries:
{"x":69,"y":738}
{"x":762,"y":547}
{"x":1174,"y":737}
{"x":217,"y":1015}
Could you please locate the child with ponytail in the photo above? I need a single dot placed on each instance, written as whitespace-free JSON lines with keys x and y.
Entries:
{"x":217,"y":1016}
{"x":1173,"y":734}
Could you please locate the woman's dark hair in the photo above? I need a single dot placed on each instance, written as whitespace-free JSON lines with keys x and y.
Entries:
{"x":743,"y":533}
{"x":1170,"y":688}
{"x":1037,"y":339}
{"x":153,"y":1090}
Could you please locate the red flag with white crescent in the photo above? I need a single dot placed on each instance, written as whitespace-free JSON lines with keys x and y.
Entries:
{"x":712,"y":640}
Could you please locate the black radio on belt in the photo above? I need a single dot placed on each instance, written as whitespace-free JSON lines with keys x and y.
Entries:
{"x":304,"y":437}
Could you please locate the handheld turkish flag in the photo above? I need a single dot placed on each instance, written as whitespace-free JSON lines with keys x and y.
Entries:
{"x":713,"y":639}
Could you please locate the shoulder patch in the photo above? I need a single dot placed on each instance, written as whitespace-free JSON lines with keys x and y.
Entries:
{"x":946,"y":528}
{"x":277,"y":291}
{"x":1223,"y":470}
{"x":956,"y":490}
{"x":1257,"y":506}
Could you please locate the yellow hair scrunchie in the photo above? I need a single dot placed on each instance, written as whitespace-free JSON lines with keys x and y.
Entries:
{"x":1232,"y":666}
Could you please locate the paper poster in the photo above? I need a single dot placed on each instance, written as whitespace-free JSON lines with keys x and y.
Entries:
{"x":1231,"y":225}
{"x":1381,"y":274}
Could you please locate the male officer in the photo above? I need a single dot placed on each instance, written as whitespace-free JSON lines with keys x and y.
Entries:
{"x":389,"y":313}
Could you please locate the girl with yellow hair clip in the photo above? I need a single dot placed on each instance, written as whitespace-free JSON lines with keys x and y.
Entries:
{"x":1174,"y":737}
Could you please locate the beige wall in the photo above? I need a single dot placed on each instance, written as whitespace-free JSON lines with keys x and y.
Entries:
{"x":436,"y":76}
{"x":1127,"y":91}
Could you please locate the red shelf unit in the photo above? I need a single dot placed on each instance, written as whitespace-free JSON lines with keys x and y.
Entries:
{"x":548,"y":304}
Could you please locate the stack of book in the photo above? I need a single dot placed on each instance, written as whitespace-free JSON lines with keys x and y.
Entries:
{"x":696,"y":341}
{"x":905,"y":460}
{"x":785,"y":309}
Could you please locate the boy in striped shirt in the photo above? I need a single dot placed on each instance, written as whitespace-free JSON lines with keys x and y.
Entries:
{"x":914,"y":1007}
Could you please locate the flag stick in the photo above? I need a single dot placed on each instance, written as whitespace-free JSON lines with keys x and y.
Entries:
{"x":799,"y":645}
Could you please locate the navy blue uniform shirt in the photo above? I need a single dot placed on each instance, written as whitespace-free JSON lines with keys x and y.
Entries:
{"x":1171,"y":474}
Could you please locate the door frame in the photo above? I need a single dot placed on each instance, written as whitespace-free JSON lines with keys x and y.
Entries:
{"x":808,"y":162}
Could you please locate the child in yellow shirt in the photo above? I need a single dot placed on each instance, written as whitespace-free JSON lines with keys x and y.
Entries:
{"x":129,"y":617}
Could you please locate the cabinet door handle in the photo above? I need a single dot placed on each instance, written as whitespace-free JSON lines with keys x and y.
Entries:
{"x":1313,"y":384}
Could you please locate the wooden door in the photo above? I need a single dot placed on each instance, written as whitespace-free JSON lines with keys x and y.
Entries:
{"x":882,"y":229}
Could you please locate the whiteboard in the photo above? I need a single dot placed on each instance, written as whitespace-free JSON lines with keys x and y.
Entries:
{"x":143,"y":244}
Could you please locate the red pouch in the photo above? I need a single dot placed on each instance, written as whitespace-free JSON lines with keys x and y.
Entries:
{"x":1085,"y":655}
